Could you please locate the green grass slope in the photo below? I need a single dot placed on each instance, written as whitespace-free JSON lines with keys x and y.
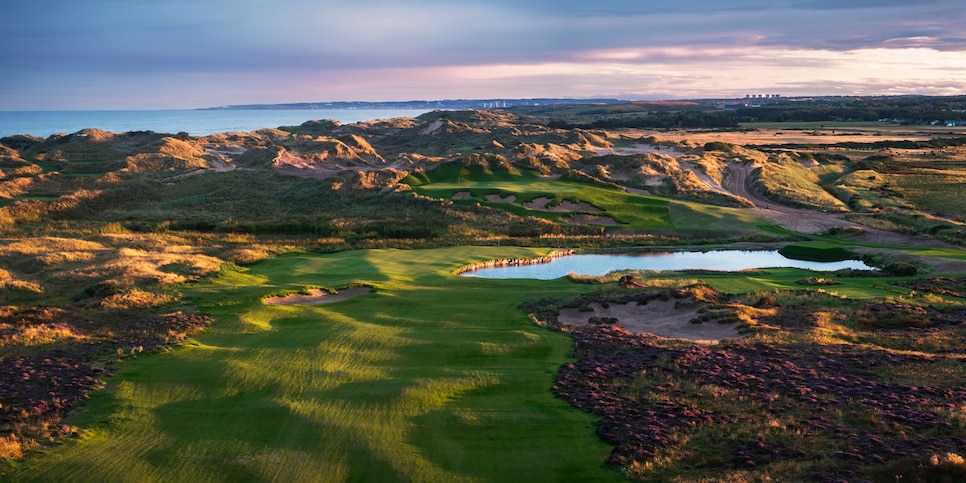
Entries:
{"x":632,"y":211}
{"x":432,"y":377}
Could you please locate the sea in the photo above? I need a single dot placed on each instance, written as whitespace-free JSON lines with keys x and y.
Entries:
{"x":194,"y":122}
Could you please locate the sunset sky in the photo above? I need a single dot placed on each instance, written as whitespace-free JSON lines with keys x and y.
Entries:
{"x":153,"y":54}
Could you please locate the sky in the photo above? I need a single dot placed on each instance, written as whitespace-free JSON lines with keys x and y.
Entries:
{"x":173,"y":54}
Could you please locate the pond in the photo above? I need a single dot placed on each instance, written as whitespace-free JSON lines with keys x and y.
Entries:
{"x":718,"y":260}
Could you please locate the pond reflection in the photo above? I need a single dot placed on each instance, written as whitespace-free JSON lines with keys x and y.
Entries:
{"x":717,"y":260}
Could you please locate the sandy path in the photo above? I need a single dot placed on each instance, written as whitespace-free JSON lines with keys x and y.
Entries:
{"x":662,"y":318}
{"x":708,"y":180}
{"x":738,"y":181}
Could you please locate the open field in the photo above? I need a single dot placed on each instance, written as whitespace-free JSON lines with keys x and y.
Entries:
{"x":819,"y":133}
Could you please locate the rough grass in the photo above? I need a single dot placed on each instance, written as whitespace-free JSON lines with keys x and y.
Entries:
{"x":790,"y":183}
{"x":698,"y":217}
{"x":868,"y":190}
{"x":935,"y":191}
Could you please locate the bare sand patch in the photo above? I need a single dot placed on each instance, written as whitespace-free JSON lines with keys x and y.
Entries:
{"x":463,"y":195}
{"x":668,"y":318}
{"x":640,"y":149}
{"x":226,"y":151}
{"x":538,"y":203}
{"x":495,"y":198}
{"x":432,"y":128}
{"x":318,"y":297}
{"x":708,"y":180}
{"x":591,"y":220}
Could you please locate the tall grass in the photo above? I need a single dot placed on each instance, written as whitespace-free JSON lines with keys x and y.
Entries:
{"x":790,"y":183}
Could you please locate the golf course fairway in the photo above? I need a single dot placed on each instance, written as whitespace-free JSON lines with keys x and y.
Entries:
{"x":431,"y":377}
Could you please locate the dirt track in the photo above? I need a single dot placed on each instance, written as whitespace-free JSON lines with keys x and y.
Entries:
{"x":738,"y":181}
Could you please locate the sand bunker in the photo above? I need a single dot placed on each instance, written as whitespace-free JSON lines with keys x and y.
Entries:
{"x":432,"y":128}
{"x":661,"y":318}
{"x":495,"y":198}
{"x":564,"y":207}
{"x":318,"y":297}
{"x":538,"y":203}
{"x":463,"y":195}
{"x":591,"y":220}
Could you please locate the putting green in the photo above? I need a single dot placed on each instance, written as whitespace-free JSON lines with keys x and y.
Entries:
{"x":431,"y":377}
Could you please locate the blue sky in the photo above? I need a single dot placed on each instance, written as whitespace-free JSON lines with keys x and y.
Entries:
{"x":147,"y":54}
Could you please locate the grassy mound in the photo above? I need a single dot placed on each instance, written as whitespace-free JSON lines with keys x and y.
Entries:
{"x":817,"y":252}
{"x":789,"y":183}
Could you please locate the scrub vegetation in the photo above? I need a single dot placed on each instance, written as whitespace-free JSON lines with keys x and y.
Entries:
{"x":137,"y":341}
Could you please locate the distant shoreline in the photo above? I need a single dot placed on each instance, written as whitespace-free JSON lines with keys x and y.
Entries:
{"x":195,"y":122}
{"x":429,"y":105}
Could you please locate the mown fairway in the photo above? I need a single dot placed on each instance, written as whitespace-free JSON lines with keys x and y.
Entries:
{"x":430,"y":378}
{"x":634,"y":211}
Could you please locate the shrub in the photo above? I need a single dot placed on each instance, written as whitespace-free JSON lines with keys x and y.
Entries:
{"x":718,"y":146}
{"x":900,"y":269}
{"x":815,"y":281}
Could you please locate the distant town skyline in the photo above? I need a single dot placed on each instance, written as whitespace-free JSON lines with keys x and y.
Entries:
{"x":103,"y":54}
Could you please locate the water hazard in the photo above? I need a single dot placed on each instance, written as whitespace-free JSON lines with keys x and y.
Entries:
{"x":717,"y":260}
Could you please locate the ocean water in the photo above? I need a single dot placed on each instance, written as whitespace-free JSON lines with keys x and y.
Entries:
{"x":193,"y":122}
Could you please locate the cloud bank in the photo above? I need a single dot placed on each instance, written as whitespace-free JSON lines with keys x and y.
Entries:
{"x":102,"y":54}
